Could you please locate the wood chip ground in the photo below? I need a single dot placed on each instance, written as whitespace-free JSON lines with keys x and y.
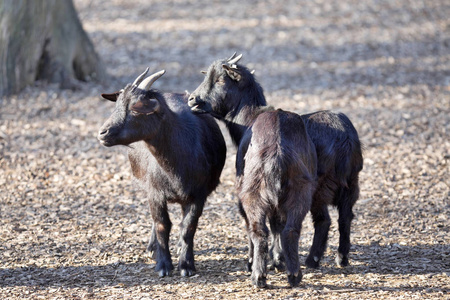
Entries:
{"x":73,"y":225}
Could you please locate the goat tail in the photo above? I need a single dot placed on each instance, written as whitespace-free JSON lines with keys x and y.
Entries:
{"x":344,"y":163}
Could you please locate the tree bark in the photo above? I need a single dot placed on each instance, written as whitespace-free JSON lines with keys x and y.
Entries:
{"x":44,"y":40}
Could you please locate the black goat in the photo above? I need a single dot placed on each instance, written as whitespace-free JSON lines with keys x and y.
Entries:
{"x":275,"y":164}
{"x":229,"y":93}
{"x":175,"y":155}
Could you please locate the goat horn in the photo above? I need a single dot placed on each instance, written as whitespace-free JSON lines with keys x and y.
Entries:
{"x":140,"y":77}
{"x":147,"y":82}
{"x":232,"y":56}
{"x":235,"y":60}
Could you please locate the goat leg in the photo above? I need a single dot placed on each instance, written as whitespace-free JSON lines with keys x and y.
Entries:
{"x":347,"y":198}
{"x":152,"y":245}
{"x":322,"y":222}
{"x":250,"y":243}
{"x":250,"y":250}
{"x":163,"y":226}
{"x":258,"y":235}
{"x":276,"y":256}
{"x":345,"y":219}
{"x":289,"y":239}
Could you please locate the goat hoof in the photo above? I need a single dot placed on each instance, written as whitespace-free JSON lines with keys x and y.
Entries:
{"x":187,"y":272}
{"x":312,"y":262}
{"x":294,"y":280}
{"x":259,"y":282}
{"x":164,"y":269}
{"x":187,"y":268}
{"x":342,"y":260}
{"x":164,"y":273}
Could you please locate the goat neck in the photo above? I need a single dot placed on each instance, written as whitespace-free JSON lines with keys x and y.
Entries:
{"x":162,"y":145}
{"x":251,"y":103}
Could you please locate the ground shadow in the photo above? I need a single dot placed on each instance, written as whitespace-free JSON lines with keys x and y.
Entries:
{"x":415,"y":260}
{"x":392,"y":259}
{"x":125,"y":274}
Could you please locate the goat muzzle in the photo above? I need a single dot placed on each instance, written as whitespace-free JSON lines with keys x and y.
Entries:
{"x":196,"y":104}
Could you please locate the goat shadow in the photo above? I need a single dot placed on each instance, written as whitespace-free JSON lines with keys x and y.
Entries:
{"x":375,"y":259}
{"x":390,"y":259}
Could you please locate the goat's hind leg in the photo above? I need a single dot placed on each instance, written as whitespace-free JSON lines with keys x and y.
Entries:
{"x":250,"y":243}
{"x":276,"y":250}
{"x":322,"y":222}
{"x":348,"y":197}
{"x":181,"y":237}
{"x":192,"y":213}
{"x":152,"y":244}
{"x":289,"y":239}
{"x":251,"y":250}
{"x":259,"y":234}
{"x":296,"y":208}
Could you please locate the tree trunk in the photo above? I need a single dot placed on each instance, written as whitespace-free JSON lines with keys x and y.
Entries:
{"x":44,"y":40}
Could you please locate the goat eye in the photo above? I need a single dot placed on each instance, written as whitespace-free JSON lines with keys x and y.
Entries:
{"x":135,"y":113}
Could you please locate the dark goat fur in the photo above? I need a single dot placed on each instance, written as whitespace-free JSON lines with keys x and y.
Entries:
{"x":275,"y":168}
{"x":338,"y":149}
{"x":175,"y":156}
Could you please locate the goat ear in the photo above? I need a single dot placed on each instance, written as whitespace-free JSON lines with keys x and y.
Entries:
{"x":146,"y":106}
{"x":111,"y":97}
{"x":232,"y":72}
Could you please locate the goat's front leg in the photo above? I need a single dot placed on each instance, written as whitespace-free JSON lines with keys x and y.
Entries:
{"x":162,"y":226}
{"x":191,"y":213}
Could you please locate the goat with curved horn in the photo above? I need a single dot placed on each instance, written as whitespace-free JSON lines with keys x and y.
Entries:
{"x":140,"y":77}
{"x":147,"y":82}
{"x":175,"y":157}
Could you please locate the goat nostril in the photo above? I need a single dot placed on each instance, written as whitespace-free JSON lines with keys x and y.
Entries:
{"x":103,"y":132}
{"x":192,"y":101}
